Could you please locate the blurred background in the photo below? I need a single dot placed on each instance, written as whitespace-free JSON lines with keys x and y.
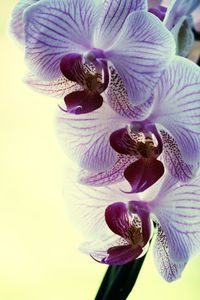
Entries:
{"x":39,"y":256}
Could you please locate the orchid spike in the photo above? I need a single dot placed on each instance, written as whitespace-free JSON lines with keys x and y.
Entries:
{"x":177,"y":9}
{"x":176,"y":15}
{"x":162,"y":132}
{"x":122,"y":228}
{"x":62,"y":33}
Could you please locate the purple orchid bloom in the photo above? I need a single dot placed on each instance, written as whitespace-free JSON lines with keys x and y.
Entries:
{"x":62,"y":36}
{"x":120,"y":139}
{"x":117,"y":232}
{"x":176,"y":15}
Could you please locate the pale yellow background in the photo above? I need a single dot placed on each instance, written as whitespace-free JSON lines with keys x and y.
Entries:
{"x":39,"y":259}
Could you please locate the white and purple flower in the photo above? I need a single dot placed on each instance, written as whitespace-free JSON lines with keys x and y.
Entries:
{"x":133,"y":112}
{"x":120,"y":139}
{"x":118,"y":232}
{"x":61,"y":36}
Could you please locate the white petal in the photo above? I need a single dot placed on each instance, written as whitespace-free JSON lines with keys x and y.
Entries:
{"x":173,"y":160}
{"x":85,"y":138}
{"x":177,"y":106}
{"x":86,"y":205}
{"x":168,"y":269}
{"x":140,"y":55}
{"x":55,"y":88}
{"x":177,"y":209}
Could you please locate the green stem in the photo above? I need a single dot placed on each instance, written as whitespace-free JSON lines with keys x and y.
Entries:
{"x":119,"y":281}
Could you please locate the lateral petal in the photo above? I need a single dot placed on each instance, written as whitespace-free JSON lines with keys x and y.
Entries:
{"x":177,"y":209}
{"x":86,"y":206}
{"x":85,"y":138}
{"x":173,"y":159}
{"x":177,"y":106}
{"x":118,"y":99}
{"x":141,"y":54}
{"x":168,"y":269}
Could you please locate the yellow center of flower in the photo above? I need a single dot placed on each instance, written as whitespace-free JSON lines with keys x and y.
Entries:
{"x":93,"y":81}
{"x":143,"y":143}
{"x":135,"y":236}
{"x":146,"y":149}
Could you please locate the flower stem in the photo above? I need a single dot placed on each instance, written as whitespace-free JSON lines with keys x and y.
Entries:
{"x":119,"y":280}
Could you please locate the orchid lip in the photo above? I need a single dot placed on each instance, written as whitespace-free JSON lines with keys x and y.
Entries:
{"x":146,"y":169}
{"x":92,"y":77}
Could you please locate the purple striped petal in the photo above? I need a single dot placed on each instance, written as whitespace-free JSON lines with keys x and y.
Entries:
{"x":173,"y":159}
{"x":55,"y":28}
{"x":168,"y":269}
{"x":83,"y":102}
{"x":177,"y":209}
{"x":56,"y":88}
{"x":17,"y":24}
{"x":140,"y":55}
{"x":86,"y":205}
{"x":118,"y":99}
{"x":85,"y":139}
{"x":143,"y":173}
{"x":110,"y":176}
{"x":177,"y":106}
{"x":177,"y":9}
{"x":113,"y":18}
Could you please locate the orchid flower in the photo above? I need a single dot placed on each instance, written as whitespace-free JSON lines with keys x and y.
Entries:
{"x":62,"y":36}
{"x":122,"y":140}
{"x":130,"y":240}
{"x":118,"y":232}
{"x":176,"y":15}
